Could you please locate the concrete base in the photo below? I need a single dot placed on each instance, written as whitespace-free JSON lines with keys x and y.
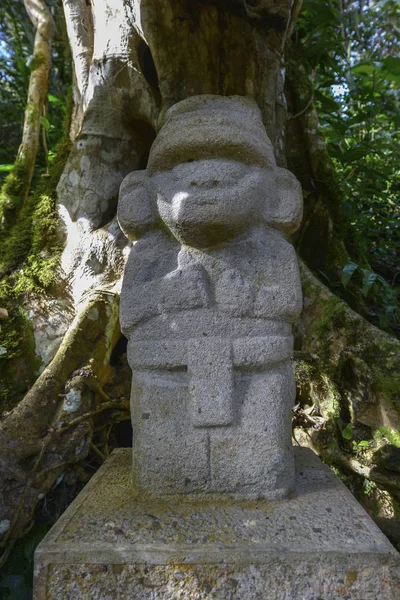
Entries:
{"x":318,"y":545}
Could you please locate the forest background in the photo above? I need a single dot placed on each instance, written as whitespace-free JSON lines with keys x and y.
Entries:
{"x":343,"y":98}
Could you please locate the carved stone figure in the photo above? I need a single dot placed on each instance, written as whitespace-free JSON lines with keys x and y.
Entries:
{"x":210,"y":290}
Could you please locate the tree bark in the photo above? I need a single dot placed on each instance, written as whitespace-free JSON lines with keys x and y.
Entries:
{"x":18,"y":183}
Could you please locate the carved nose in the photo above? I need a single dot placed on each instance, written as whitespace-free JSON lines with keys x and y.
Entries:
{"x":211,"y":383}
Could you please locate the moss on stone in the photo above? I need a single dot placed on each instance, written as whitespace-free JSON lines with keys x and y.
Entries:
{"x":390,"y":434}
{"x":389,"y":386}
{"x":396,"y":508}
{"x":330,"y":402}
{"x":332,"y":311}
{"x":303,"y":370}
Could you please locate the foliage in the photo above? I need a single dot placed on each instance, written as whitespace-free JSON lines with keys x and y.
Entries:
{"x":16,"y":47}
{"x":352,"y":50}
{"x":30,"y":248}
{"x":387,"y":308}
{"x":16,"y":44}
{"x":36,"y":226}
{"x":33,"y":246}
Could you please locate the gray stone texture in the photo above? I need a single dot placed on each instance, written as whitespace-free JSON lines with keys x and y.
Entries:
{"x":209,"y":294}
{"x":319,"y":544}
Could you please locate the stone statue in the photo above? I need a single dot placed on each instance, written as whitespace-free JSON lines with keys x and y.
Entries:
{"x":210,"y":290}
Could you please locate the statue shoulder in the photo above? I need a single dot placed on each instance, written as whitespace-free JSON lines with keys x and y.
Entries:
{"x":152,"y":257}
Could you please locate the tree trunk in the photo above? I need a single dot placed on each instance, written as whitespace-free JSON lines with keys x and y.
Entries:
{"x":16,"y":186}
{"x":131,"y":63}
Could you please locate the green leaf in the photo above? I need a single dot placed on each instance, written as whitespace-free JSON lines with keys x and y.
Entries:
{"x":355,"y":154}
{"x":339,"y":126}
{"x":368,"y":280}
{"x":5,"y":168}
{"x":347,"y":432}
{"x":347,"y":272}
{"x":364,"y":69}
{"x":389,"y":76}
{"x":392,"y":64}
{"x":45,"y":123}
{"x":363,"y":444}
{"x":53,"y":99}
{"x":328,"y":104}
{"x":384,"y":320}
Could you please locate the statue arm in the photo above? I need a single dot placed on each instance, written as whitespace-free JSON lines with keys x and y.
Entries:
{"x":178,"y":289}
{"x":283,"y":298}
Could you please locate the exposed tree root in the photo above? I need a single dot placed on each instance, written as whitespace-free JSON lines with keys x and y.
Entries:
{"x":67,"y":397}
{"x":348,"y":376}
{"x":361,"y":361}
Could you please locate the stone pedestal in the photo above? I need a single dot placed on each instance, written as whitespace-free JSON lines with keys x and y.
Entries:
{"x":318,"y":545}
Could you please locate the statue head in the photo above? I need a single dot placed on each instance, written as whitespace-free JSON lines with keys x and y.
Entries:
{"x":211,"y":175}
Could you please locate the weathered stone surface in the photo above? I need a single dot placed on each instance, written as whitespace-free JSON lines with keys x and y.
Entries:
{"x":210,"y":291}
{"x":318,"y":544}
